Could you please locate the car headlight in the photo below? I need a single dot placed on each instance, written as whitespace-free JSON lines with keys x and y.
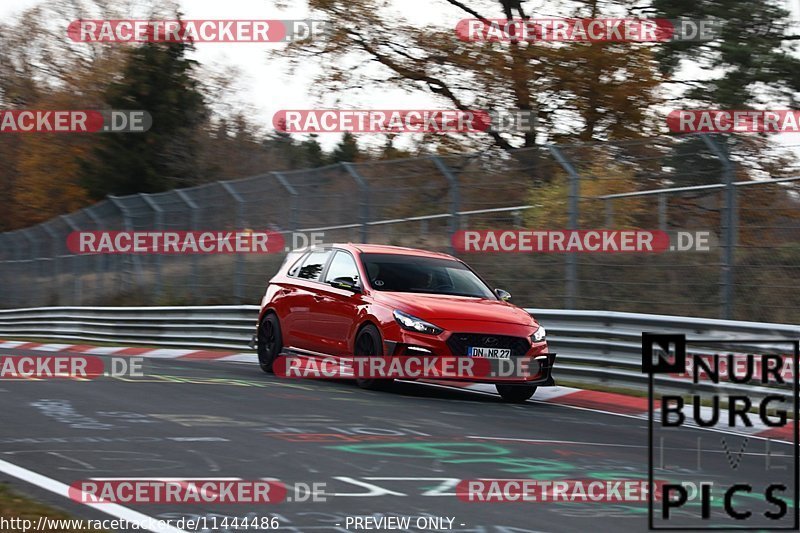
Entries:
{"x":413,"y":323}
{"x":539,"y":335}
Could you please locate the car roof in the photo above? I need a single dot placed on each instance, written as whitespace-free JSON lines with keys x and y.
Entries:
{"x":386,"y":249}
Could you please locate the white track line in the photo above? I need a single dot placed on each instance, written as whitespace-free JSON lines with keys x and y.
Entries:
{"x":115,"y":510}
{"x":166,"y":353}
{"x":239,"y":358}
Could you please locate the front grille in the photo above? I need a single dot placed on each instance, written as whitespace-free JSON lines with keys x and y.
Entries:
{"x":459,"y":342}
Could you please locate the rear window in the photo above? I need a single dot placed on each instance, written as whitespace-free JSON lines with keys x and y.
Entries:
{"x":312,"y":265}
{"x":294,"y":259}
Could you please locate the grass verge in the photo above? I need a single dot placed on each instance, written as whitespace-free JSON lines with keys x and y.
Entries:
{"x":14,"y":505}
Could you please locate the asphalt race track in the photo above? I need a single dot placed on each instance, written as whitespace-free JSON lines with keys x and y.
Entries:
{"x":395,"y":453}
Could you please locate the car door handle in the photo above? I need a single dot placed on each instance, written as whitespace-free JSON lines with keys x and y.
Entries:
{"x":318,"y":298}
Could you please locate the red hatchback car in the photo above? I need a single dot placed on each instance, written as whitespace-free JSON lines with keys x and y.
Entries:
{"x":343,"y":300}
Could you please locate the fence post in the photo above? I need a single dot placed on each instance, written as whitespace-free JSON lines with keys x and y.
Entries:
{"x":77,"y":282}
{"x":100,"y":259}
{"x":12,"y":286}
{"x":455,"y":195}
{"x":193,"y":207}
{"x":572,"y":210}
{"x":292,"y":199}
{"x":9,"y":248}
{"x":729,"y":226}
{"x":363,"y":188}
{"x":36,"y":259}
{"x":55,"y":268}
{"x":159,"y":225}
{"x":126,"y":216}
{"x":239,"y":267}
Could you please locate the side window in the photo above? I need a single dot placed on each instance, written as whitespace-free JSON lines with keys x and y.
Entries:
{"x":296,"y":267}
{"x":342,"y":266}
{"x":313,"y":265}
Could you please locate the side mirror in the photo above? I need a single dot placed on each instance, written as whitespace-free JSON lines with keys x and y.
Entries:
{"x":503,"y":295}
{"x":348,"y":284}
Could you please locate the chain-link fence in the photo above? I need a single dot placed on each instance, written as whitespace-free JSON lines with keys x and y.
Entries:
{"x":669,"y":183}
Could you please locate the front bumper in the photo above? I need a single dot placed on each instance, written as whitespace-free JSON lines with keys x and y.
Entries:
{"x":530,"y":363}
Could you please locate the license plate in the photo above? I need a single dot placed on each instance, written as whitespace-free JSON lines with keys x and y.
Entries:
{"x":490,"y":353}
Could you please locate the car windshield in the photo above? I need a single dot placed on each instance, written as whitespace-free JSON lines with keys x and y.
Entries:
{"x":409,"y":273}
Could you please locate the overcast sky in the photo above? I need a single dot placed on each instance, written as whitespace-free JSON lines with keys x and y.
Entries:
{"x":266,"y":85}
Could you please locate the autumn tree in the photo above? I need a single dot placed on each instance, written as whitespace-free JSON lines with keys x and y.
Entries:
{"x":576,"y":90}
{"x":753,"y":62}
{"x":43,"y":176}
{"x":40,"y":69}
{"x":159,"y":78}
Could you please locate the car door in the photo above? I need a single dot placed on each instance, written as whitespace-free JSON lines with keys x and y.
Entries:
{"x":306,"y":282}
{"x":336,"y":313}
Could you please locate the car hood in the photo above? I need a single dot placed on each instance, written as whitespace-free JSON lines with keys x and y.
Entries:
{"x":439,"y":306}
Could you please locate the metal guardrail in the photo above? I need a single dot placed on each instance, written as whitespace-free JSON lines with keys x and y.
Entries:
{"x":599,"y":348}
{"x":223,"y":327}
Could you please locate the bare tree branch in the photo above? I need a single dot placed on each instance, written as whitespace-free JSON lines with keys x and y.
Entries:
{"x":468,"y":10}
{"x":435,"y":85}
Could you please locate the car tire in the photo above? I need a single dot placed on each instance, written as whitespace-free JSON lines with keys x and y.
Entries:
{"x":369,"y":343}
{"x":270,"y":342}
{"x":515,"y":393}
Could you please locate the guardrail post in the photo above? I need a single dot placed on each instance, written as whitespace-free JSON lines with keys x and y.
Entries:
{"x":239,"y":267}
{"x":609,"y":205}
{"x":195,"y":225}
{"x":363,"y":187}
{"x":662,"y":212}
{"x":729,"y":223}
{"x":292,"y":199}
{"x":572,"y":210}
{"x":455,"y":195}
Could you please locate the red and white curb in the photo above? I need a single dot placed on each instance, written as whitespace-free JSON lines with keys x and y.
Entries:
{"x":155,"y":353}
{"x":608,"y":402}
